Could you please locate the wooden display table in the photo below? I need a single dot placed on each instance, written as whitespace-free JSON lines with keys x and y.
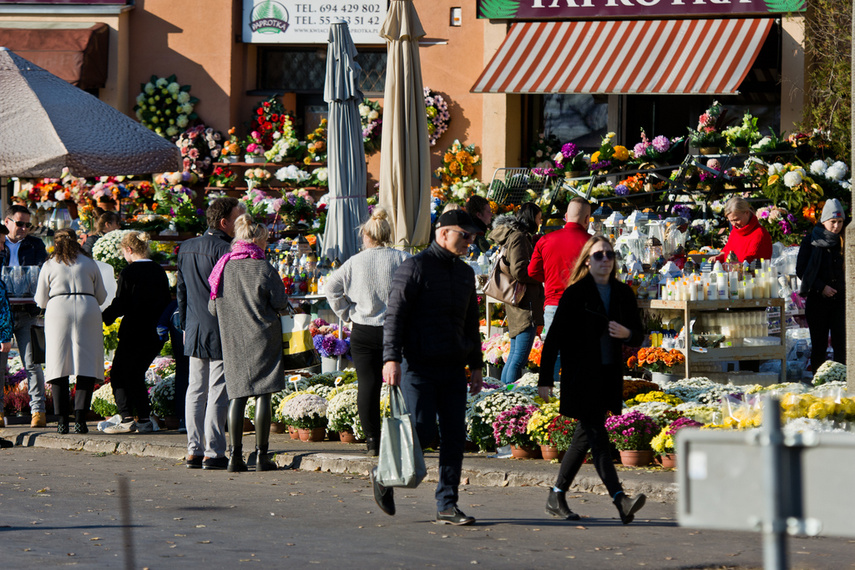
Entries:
{"x":696,"y":309}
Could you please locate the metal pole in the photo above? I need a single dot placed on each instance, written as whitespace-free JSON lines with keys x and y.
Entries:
{"x":774,"y":524}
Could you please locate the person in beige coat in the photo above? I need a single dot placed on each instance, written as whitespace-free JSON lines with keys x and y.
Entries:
{"x":71,"y":290}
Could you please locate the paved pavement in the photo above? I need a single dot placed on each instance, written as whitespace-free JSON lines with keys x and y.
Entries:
{"x":336,"y":457}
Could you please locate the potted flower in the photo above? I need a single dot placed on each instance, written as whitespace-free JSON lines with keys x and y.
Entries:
{"x":609,"y":156}
{"x":740,"y":137}
{"x":664,"y":364}
{"x":483,"y":409}
{"x":663,"y":443}
{"x":707,"y":136}
{"x":657,"y":150}
{"x":561,"y":430}
{"x":511,"y":428}
{"x":222,"y":177}
{"x":103,"y":402}
{"x":631,"y":433}
{"x":231,"y":148}
{"x":308,"y":413}
{"x":282,"y":411}
{"x":162,"y":397}
{"x":538,"y":430}
{"x":343,"y":415}
{"x":330,"y":342}
{"x":256,"y":177}
{"x":571,"y":161}
{"x":254,"y":152}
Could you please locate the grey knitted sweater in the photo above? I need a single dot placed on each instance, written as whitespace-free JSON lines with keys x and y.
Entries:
{"x":359,"y":289}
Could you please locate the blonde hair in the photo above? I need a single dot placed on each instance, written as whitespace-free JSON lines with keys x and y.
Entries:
{"x":138,"y":243}
{"x":377,"y":227}
{"x":248,"y":231}
{"x":451,"y":206}
{"x":737,"y":205}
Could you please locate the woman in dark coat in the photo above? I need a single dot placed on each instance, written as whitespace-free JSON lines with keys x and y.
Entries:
{"x":142,"y":295}
{"x":246,"y":297}
{"x":820,"y":267}
{"x":596,"y":316}
{"x":515,"y":234}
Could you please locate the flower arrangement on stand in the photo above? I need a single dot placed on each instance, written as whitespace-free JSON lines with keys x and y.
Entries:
{"x":609,"y":155}
{"x":658,"y":150}
{"x":632,"y":432}
{"x":164,"y":106}
{"x":317,"y":148}
{"x":371,"y":116}
{"x":298,"y":207}
{"x":329,"y":340}
{"x":253,"y":148}
{"x":222,"y":177}
{"x":657,"y":360}
{"x":200,"y":148}
{"x":256,"y":177}
{"x":320,"y":177}
{"x":176,"y":201}
{"x":743,"y":135}
{"x":232,"y":148}
{"x":258,"y":204}
{"x":788,"y":184}
{"x":438,"y":116}
{"x":781,"y":225}
{"x":293,"y":175}
{"x":458,"y":164}
{"x":571,"y":161}
{"x":511,"y":428}
{"x":543,"y":150}
{"x":708,"y":132}
{"x":272,"y":122}
{"x":343,"y":415}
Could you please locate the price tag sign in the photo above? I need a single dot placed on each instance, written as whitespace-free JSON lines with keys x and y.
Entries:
{"x":295,"y":379}
{"x":338,"y":381}
{"x":308,"y":21}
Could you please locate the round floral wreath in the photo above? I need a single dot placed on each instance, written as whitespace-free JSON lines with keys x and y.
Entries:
{"x":164,"y":106}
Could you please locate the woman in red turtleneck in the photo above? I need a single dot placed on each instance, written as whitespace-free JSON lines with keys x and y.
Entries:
{"x":748,"y":239}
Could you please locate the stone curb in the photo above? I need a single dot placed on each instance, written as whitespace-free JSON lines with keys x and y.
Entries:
{"x":360,"y":465}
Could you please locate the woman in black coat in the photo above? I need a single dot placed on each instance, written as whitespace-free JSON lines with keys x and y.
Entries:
{"x":820,"y":267}
{"x":596,"y":316}
{"x":142,"y":296}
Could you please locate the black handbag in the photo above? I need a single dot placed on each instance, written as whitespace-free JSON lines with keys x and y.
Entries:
{"x":37,"y":343}
{"x":297,"y":349}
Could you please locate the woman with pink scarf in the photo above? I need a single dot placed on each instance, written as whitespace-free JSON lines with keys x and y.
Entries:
{"x":247,"y":297}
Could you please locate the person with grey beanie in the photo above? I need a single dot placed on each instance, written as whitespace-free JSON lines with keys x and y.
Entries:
{"x":820,"y":266}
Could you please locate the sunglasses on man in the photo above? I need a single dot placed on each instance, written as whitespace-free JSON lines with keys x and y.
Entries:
{"x":465,"y":235}
{"x":600,"y":255}
{"x":21,"y":224}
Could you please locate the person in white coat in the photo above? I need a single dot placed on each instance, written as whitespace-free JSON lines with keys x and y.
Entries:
{"x":71,"y":290}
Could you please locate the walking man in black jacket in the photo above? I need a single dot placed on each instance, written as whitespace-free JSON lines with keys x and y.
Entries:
{"x":206,"y":401}
{"x":23,"y":249}
{"x":429,"y":337}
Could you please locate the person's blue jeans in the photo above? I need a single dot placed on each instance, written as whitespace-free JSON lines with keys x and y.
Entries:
{"x":518,"y":355}
{"x":548,"y":315}
{"x":35,"y":375}
{"x":438,"y":393}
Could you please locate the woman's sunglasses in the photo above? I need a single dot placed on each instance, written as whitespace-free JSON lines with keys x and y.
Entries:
{"x":600,"y":255}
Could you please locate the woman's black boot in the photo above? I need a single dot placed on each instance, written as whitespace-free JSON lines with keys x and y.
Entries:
{"x":236,"y":462}
{"x":62,"y":425}
{"x":263,"y":461}
{"x":80,"y":422}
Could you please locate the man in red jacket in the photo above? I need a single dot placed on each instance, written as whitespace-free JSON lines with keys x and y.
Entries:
{"x":554,"y":257}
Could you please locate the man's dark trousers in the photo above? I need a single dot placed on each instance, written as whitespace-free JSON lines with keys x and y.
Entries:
{"x":438,"y":393}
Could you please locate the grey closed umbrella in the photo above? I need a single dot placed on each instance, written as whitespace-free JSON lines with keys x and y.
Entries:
{"x":47,"y":124}
{"x":348,"y":206}
{"x":405,"y":150}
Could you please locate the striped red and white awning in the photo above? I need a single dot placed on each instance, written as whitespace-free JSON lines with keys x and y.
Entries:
{"x":625,"y":57}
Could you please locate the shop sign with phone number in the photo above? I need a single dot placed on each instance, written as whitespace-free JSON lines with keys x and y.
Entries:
{"x":308,"y":21}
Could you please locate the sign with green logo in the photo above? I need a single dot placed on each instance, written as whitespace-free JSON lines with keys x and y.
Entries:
{"x":632,"y":9}
{"x":308,"y":21}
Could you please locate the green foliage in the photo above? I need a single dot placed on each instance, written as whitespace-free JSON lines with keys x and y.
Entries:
{"x":828,"y":47}
{"x":785,"y":5}
{"x":499,"y":9}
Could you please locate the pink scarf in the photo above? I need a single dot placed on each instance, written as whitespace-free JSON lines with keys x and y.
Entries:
{"x":240,"y":250}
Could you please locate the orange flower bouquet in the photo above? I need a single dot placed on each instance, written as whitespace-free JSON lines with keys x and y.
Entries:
{"x":657,"y":360}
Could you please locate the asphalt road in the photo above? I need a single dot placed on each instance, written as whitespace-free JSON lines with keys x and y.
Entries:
{"x":64,"y":508}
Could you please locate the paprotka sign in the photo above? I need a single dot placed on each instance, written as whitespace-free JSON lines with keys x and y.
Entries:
{"x":308,"y":21}
{"x":631,"y":9}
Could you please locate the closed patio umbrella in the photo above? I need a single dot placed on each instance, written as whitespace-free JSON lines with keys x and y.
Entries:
{"x":47,"y":124}
{"x":348,"y":206}
{"x":404,"y":151}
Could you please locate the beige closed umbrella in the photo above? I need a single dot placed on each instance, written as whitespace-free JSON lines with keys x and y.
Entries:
{"x":404,"y":151}
{"x":47,"y":124}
